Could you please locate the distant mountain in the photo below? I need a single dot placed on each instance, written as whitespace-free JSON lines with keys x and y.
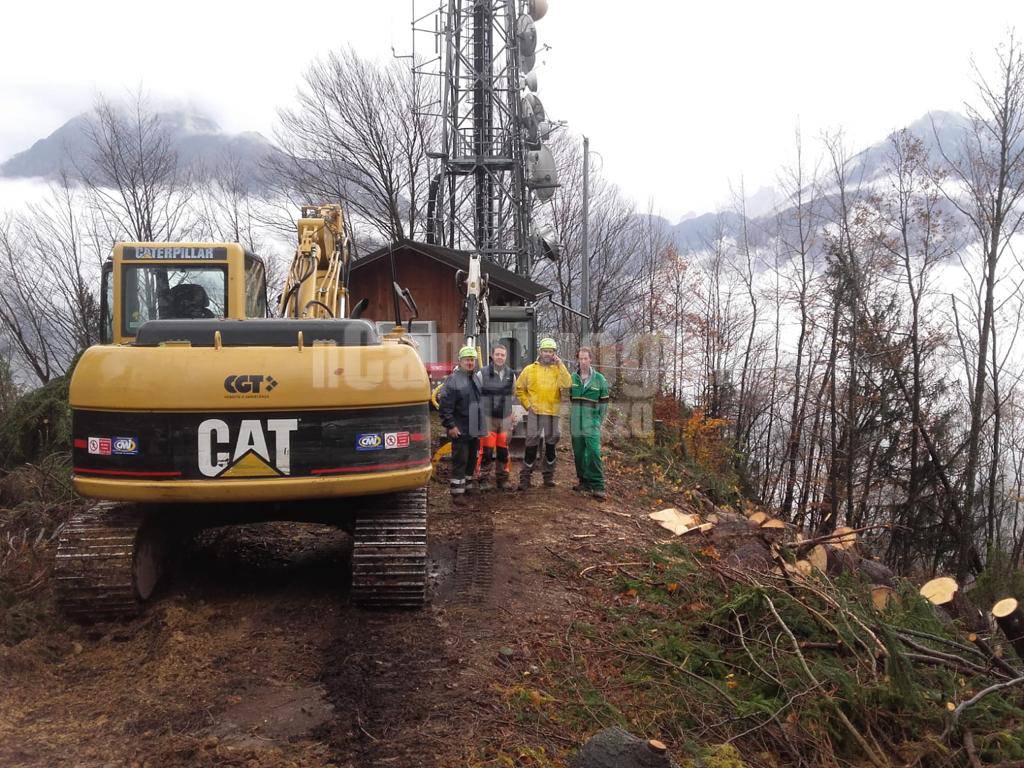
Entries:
{"x":936,"y":130}
{"x":696,"y":232}
{"x":198,"y":140}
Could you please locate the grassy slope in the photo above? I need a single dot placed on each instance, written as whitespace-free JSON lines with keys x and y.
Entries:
{"x":673,"y":642}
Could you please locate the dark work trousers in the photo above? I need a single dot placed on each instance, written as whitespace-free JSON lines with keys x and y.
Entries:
{"x":464,"y":454}
{"x":540,"y":428}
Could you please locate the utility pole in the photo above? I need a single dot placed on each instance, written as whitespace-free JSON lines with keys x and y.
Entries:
{"x":585,"y":271}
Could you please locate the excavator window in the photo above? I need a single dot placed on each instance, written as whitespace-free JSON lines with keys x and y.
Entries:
{"x":515,"y":337}
{"x":163,"y":292}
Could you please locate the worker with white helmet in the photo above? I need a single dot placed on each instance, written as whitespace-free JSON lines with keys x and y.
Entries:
{"x":539,"y":389}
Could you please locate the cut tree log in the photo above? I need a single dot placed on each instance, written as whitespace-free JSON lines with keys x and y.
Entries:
{"x":845,"y":538}
{"x":757,"y":518}
{"x":818,"y":557}
{"x":773,"y":523}
{"x":940,"y":591}
{"x":1010,"y":618}
{"x":944,"y":592}
{"x":875,"y":572}
{"x":835,"y":561}
{"x":616,"y":748}
{"x":791,"y":573}
{"x":882,"y":597}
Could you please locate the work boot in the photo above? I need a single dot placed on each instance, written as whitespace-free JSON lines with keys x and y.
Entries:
{"x":549,"y":472}
{"x":580,"y":487}
{"x":525,"y":480}
{"x":472,"y":487}
{"x":502,"y":481}
{"x":484,"y":484}
{"x":598,"y":494}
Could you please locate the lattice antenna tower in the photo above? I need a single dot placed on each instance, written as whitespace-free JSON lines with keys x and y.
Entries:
{"x":492,"y":165}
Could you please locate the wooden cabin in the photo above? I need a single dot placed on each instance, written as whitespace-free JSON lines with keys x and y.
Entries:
{"x":429,"y":272}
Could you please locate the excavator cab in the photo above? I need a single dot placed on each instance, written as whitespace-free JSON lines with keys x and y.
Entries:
{"x":188,"y":281}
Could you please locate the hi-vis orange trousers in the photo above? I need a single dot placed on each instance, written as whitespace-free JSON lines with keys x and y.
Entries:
{"x":494,"y":450}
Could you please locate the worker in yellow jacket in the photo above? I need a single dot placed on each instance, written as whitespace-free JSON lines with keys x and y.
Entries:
{"x":539,"y":390}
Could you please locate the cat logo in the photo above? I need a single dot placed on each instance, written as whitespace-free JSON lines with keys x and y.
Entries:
{"x":248,"y":454}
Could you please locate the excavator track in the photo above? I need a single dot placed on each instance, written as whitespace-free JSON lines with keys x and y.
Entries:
{"x":389,"y":553}
{"x":108,"y":562}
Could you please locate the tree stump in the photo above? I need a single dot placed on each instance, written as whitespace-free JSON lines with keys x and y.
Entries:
{"x":1010,"y":618}
{"x":943,"y":592}
{"x":616,"y":748}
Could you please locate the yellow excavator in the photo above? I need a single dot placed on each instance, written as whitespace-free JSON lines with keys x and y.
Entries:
{"x":200,"y":411}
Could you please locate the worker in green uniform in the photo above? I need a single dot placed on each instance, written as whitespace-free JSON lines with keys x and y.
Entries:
{"x":589,"y":398}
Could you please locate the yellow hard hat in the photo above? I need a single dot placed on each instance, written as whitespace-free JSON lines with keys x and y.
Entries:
{"x":467,"y":352}
{"x":548,"y":344}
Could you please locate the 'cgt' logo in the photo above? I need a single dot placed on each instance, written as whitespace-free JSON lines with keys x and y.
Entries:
{"x":249,"y":384}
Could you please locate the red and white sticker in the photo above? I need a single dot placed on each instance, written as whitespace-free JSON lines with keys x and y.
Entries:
{"x":396,"y":440}
{"x":100,"y":445}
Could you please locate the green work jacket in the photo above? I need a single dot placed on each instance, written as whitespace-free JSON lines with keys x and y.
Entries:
{"x":589,"y":404}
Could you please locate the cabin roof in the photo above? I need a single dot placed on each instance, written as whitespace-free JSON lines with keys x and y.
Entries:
{"x":520,"y":286}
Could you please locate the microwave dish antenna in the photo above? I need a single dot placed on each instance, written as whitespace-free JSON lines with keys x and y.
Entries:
{"x":476,"y":63}
{"x":537,"y":9}
{"x":542,"y":174}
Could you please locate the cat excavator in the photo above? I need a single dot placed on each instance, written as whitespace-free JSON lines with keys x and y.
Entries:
{"x":199,"y":411}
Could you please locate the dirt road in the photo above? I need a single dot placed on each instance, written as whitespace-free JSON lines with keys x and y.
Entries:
{"x":252,"y":656}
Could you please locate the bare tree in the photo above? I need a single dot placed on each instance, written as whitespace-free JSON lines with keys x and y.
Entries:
{"x":136,"y":185}
{"x":23,"y":322}
{"x":356,"y":135}
{"x":226,"y":210}
{"x":616,"y":247}
{"x":918,"y":236}
{"x":988,"y":169}
{"x":798,"y":229}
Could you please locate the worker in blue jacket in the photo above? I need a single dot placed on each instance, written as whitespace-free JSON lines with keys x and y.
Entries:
{"x":589,"y":399}
{"x":462,"y":416}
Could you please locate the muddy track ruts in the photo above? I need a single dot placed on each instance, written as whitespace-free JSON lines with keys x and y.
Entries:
{"x":474,"y":558}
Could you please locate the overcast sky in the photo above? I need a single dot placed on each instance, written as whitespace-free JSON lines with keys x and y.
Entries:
{"x":680,"y":98}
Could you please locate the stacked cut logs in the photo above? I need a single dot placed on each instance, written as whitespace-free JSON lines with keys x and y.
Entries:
{"x":765,"y":522}
{"x":838,"y":554}
{"x":832,"y":555}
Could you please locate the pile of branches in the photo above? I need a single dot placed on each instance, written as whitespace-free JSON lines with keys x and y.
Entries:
{"x":35,"y":500}
{"x":794,"y":666}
